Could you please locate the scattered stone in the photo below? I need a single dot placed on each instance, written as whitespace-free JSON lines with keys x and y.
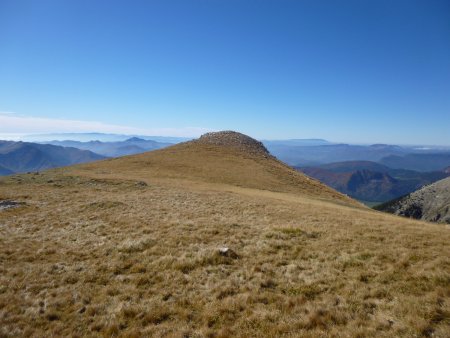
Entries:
{"x":227,"y":252}
{"x":166,"y":297}
{"x":141,"y":184}
{"x":6,"y":204}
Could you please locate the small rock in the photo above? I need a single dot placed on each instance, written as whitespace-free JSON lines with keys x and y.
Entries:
{"x":227,"y":252}
{"x":6,"y":204}
{"x":141,"y":184}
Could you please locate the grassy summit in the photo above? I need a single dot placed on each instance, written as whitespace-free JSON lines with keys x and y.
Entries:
{"x":130,"y":247}
{"x":223,"y":158}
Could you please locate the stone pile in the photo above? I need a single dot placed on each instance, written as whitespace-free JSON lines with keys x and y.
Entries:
{"x":235,"y":140}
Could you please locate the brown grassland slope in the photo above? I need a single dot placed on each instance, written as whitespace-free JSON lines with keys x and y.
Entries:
{"x":129,"y":247}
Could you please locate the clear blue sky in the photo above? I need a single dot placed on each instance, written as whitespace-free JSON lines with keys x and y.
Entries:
{"x":355,"y":71}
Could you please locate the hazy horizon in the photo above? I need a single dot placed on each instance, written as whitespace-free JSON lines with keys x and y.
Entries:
{"x":82,"y":137}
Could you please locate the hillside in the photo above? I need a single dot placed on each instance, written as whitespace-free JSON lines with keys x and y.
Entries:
{"x":431,"y":203}
{"x":238,"y":161}
{"x":363,"y":185}
{"x":130,"y":146}
{"x":5,"y":171}
{"x":371,"y":181}
{"x":137,"y":246}
{"x":22,"y":157}
{"x":350,"y":166}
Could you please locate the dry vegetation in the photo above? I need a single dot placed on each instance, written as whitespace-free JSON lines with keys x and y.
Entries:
{"x":129,"y":247}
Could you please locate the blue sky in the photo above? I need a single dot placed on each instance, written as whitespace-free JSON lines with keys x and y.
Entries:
{"x":352,"y":71}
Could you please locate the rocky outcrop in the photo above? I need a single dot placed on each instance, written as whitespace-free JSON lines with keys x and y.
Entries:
{"x":431,"y":203}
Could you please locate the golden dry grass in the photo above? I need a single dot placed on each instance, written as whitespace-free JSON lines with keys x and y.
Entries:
{"x":96,"y":252}
{"x":196,"y":162}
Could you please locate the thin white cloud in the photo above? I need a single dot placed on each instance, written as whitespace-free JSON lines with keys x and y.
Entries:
{"x":14,"y":125}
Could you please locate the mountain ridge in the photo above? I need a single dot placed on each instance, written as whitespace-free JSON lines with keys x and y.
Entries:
{"x":19,"y":157}
{"x":419,"y":162}
{"x":130,"y":146}
{"x":371,"y":181}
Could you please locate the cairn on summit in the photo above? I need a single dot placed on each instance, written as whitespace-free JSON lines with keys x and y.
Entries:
{"x":235,"y":140}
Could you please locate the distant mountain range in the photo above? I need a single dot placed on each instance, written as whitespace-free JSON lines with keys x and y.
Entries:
{"x":298,"y":155}
{"x":376,"y":173}
{"x":19,"y":157}
{"x":86,"y":137}
{"x":420,"y":162}
{"x":130,"y":146}
{"x":295,"y":152}
{"x":296,"y":142}
{"x":371,"y":181}
{"x":430,"y":203}
{"x":393,"y":156}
